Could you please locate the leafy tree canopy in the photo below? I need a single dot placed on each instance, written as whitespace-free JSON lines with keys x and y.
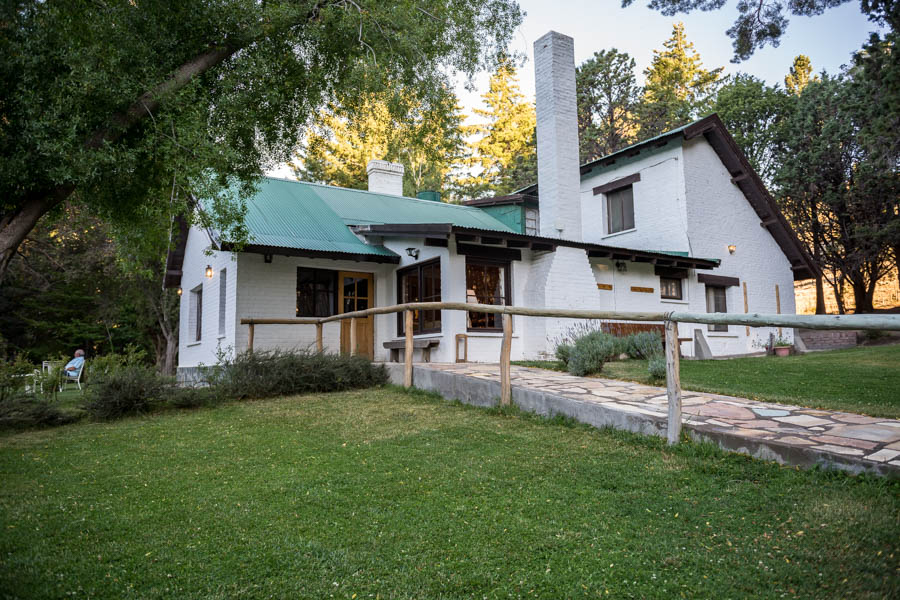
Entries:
{"x":608,"y":95}
{"x":799,"y":75}
{"x":113,"y":103}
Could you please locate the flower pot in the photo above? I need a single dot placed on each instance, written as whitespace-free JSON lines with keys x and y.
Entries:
{"x":782,"y":350}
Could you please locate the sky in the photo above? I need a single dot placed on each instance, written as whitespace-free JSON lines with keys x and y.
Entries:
{"x":829,"y":40}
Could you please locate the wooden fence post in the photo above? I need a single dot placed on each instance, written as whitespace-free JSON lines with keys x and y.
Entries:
{"x":505,"y":386}
{"x":352,"y":336}
{"x":250,"y":338}
{"x":746,"y":309}
{"x":778,"y":305}
{"x":673,"y":383}
{"x":319,"y":345}
{"x":408,"y":357}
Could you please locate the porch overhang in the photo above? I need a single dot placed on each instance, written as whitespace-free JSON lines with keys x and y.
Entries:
{"x":283,"y":251}
{"x":508,"y":239}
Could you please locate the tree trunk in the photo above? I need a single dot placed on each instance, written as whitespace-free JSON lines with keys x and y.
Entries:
{"x":169,"y":361}
{"x":839,"y":296}
{"x":861,"y":296}
{"x":16,"y":224}
{"x":820,"y":295}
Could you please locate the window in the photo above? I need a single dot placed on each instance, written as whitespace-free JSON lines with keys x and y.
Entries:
{"x":670,"y":288}
{"x":620,"y":210}
{"x":196,"y":315}
{"x":715,"y":303}
{"x":223,"y":279}
{"x":487,"y":282}
{"x":420,"y":283}
{"x":316,"y":295}
{"x":532,"y":225}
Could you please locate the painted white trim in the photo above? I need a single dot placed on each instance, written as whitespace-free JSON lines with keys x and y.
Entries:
{"x":623,"y":232}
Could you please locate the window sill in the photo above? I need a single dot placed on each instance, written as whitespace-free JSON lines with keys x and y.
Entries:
{"x":609,"y":235}
{"x":477,"y":333}
{"x":421,"y":336}
{"x":192,"y":344}
{"x":670,"y":301}
{"x":221,"y":337}
{"x":722,"y":335}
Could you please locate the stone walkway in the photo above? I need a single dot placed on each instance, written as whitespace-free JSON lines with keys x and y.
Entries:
{"x":788,"y":434}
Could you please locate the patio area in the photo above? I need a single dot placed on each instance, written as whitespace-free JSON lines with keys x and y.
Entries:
{"x":788,"y":434}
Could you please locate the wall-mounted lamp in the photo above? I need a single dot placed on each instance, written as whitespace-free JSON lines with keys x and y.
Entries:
{"x":621,"y":267}
{"x":178,"y":291}
{"x":414,"y":252}
{"x":731,"y":248}
{"x":209,"y":271}
{"x":267,"y":258}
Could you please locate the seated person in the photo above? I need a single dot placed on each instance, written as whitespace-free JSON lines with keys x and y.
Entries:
{"x":73,"y":367}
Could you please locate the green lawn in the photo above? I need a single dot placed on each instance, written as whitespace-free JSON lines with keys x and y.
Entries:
{"x":383,"y":494}
{"x":863,"y":380}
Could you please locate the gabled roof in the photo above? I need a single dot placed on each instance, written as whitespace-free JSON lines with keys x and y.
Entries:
{"x":742,"y":175}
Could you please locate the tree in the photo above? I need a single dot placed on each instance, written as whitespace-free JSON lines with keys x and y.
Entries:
{"x":754,"y":113}
{"x":837,"y":195}
{"x":107,"y":103}
{"x":799,"y":75}
{"x":678,"y":89}
{"x":761,"y":23}
{"x":608,"y":96}
{"x":426,"y":139}
{"x":502,"y":148}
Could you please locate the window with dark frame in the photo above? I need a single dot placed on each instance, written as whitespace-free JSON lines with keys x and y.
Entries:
{"x":715,"y":303}
{"x":420,"y":283}
{"x":197,"y":312}
{"x":223,"y":290}
{"x":487,"y":282}
{"x":670,"y":288}
{"x":316,"y":292}
{"x":620,"y":210}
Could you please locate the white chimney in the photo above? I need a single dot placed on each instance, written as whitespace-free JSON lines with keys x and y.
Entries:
{"x":385,"y":177}
{"x":557,"y":136}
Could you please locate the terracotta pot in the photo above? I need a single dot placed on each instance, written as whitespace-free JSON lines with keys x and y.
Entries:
{"x":782,"y":350}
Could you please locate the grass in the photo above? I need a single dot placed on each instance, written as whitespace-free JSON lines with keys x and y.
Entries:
{"x":862,"y":380}
{"x":384,"y":494}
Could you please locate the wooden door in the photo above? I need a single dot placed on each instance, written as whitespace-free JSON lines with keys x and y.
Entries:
{"x":357,"y":292}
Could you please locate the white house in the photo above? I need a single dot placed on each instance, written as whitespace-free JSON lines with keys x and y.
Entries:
{"x":677,"y":222}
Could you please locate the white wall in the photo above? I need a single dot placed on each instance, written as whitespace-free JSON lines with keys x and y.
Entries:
{"x":660,"y":217}
{"x":719,"y":215}
{"x":191,"y":352}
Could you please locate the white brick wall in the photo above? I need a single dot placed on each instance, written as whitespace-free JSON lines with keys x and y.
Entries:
{"x":557,"y":136}
{"x":385,"y":177}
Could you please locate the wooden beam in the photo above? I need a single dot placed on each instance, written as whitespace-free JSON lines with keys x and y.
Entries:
{"x":739,"y":177}
{"x":746,"y":308}
{"x":250,"y":338}
{"x":505,"y":351}
{"x":777,"y":305}
{"x":673,"y":383}
{"x":353,"y":336}
{"x":408,"y":351}
{"x":319,"y":345}
{"x":719,"y":280}
{"x":489,"y":252}
{"x":618,"y":184}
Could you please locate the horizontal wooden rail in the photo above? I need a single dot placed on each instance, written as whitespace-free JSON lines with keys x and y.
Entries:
{"x":671,"y":319}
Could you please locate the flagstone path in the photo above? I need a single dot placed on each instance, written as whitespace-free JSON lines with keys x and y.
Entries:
{"x":869,"y":442}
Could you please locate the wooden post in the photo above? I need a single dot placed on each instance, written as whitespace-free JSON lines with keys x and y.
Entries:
{"x":673,"y":383}
{"x":250,"y":338}
{"x":408,"y":358}
{"x":778,"y":305}
{"x":319,"y":345}
{"x":746,"y":307}
{"x":505,"y":388}
{"x":352,"y":336}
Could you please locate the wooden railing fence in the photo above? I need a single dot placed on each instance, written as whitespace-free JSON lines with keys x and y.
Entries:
{"x":670,"y":320}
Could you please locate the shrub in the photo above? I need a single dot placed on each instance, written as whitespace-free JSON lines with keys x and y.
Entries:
{"x":563,"y":352}
{"x":128,"y":390}
{"x":644,"y":344}
{"x":657,"y":367}
{"x":32,"y":411}
{"x":262,"y":374}
{"x":591,"y":351}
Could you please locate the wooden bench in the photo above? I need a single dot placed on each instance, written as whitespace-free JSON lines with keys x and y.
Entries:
{"x":424,"y":345}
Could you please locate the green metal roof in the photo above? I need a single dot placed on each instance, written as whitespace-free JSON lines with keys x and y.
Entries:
{"x":308,"y":216}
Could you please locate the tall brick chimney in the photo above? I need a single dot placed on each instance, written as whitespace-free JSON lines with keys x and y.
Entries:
{"x":557,"y":136}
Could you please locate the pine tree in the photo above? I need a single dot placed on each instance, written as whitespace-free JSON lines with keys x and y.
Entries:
{"x":799,"y":75}
{"x":608,"y":96}
{"x":502,"y":151}
{"x":678,"y":89}
{"x":426,"y":141}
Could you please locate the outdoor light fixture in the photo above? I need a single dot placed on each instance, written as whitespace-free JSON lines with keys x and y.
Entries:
{"x":621,"y":267}
{"x":731,"y":248}
{"x":209,"y":271}
{"x":178,"y":291}
{"x":414,"y":252}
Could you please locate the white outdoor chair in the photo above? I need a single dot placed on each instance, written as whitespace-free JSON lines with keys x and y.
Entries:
{"x":71,"y":378}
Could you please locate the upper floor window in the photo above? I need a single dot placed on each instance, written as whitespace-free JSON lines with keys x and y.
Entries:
{"x":620,"y":210}
{"x":420,"y":283}
{"x":532,"y":225}
{"x":196,"y":314}
{"x":316,"y":292}
{"x":487,"y":282}
{"x":223,"y":288}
